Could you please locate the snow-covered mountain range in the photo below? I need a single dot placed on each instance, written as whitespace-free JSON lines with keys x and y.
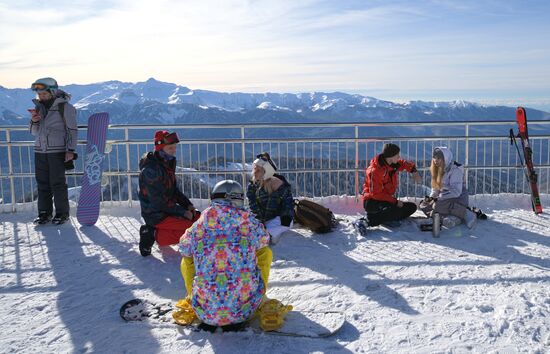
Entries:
{"x":152,"y":102}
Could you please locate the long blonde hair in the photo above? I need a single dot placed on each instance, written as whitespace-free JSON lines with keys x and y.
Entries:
{"x":270,"y":185}
{"x":437,"y":174}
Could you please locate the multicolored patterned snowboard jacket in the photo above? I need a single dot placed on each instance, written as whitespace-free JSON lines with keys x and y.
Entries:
{"x":159,"y":194}
{"x":227,"y":287}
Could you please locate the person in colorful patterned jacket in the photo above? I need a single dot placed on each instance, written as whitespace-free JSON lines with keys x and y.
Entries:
{"x":381,"y":183}
{"x":270,"y":197}
{"x":164,"y":207}
{"x":53,"y":124}
{"x":226,"y":262}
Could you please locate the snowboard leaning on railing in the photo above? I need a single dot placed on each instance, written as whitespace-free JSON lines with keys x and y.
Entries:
{"x":87,"y":211}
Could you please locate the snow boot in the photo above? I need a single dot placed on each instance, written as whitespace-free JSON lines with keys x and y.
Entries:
{"x":60,"y":218}
{"x":272,"y":314}
{"x":470,"y":219}
{"x":43,"y":218}
{"x":451,"y":221}
{"x":184,"y":315}
{"x":360,"y":225}
{"x":146,"y":239}
{"x":479,"y":213}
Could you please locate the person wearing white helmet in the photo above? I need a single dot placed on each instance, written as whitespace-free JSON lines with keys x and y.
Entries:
{"x":226,"y":263}
{"x":270,"y":197}
{"x":53,"y":124}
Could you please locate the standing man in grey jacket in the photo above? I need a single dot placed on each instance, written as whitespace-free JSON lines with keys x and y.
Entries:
{"x":53,"y":123}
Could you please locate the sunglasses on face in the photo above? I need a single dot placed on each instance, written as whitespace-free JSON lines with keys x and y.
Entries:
{"x":39,"y":87}
{"x":264,"y":158}
{"x":234,"y":195}
{"x":169,"y":139}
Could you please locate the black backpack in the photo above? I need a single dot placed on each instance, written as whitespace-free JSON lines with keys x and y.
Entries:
{"x":313,"y":216}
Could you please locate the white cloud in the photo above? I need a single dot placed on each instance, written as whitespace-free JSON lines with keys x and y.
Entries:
{"x":274,"y":45}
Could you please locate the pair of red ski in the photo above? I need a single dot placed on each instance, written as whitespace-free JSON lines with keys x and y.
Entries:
{"x":527,"y":158}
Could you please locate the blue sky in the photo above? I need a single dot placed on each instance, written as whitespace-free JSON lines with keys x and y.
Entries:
{"x":487,"y":51}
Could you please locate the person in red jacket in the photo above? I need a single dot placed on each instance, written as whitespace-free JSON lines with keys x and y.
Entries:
{"x":381,"y":182}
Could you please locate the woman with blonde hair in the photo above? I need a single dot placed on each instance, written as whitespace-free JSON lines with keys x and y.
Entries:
{"x":449,"y":196}
{"x":270,"y":197}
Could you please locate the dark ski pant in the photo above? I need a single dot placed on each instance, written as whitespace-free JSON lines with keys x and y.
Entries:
{"x":50,"y":177}
{"x":381,"y":212}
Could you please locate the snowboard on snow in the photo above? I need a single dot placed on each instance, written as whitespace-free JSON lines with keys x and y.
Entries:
{"x":312,"y":324}
{"x":90,"y":195}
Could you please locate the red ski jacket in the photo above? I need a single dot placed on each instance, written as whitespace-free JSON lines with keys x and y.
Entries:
{"x":381,"y":179}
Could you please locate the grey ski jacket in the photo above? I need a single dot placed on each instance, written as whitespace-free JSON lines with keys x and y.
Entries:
{"x":55,"y":133}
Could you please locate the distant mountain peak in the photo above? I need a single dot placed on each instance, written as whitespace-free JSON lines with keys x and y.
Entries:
{"x":157,"y":101}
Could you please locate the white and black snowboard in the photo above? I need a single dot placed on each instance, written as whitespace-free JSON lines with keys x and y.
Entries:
{"x":313,"y":324}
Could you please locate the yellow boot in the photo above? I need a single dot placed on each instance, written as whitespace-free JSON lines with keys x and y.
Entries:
{"x":184,"y":315}
{"x":272,"y":314}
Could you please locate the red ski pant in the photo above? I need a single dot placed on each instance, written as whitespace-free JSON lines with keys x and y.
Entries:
{"x":172,"y":228}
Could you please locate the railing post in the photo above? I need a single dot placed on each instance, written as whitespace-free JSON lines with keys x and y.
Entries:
{"x":128,"y":165}
{"x":356,"y":163}
{"x":243,"y":159}
{"x":10,"y":172}
{"x":467,"y":153}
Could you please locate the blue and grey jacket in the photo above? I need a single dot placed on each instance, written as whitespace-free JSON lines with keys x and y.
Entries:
{"x":54,"y":132}
{"x":266,"y":207}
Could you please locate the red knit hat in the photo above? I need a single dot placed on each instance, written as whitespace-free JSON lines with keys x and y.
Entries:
{"x":163,"y":138}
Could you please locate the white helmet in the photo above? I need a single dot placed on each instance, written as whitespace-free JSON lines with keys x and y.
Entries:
{"x":45,"y":84}
{"x":228,"y":190}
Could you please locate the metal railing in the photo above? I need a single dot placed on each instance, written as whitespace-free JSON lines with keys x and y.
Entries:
{"x":318,"y":159}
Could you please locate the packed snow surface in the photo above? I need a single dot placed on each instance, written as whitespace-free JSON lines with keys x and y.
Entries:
{"x":485,"y":290}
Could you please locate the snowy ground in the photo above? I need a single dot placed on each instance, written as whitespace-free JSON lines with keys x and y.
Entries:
{"x":486,"y":290}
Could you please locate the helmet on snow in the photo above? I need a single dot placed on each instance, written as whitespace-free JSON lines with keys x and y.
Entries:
{"x":228,"y":190}
{"x":45,"y":84}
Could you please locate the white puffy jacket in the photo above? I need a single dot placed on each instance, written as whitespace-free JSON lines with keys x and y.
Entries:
{"x":453,"y":184}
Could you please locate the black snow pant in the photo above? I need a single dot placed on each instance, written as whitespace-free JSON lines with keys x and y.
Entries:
{"x":50,"y":177}
{"x":380,"y":212}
